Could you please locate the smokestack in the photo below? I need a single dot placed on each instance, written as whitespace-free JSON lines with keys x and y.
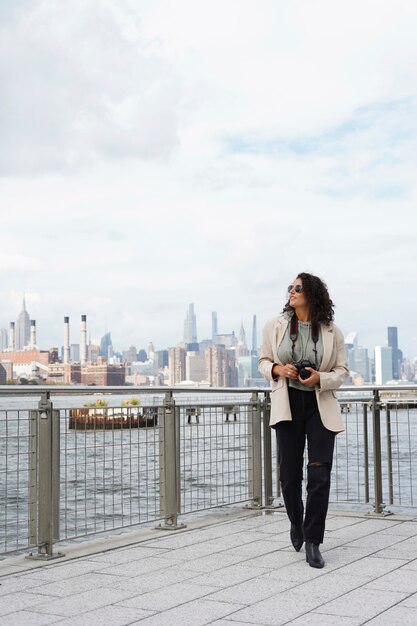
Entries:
{"x":66,"y":340}
{"x":32,"y":344}
{"x":12,"y":344}
{"x":83,"y":342}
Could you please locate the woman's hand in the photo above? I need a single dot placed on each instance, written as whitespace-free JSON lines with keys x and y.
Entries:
{"x":312,"y":380}
{"x":286,"y":371}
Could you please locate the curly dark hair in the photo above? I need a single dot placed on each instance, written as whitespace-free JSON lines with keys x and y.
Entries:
{"x":317,"y":295}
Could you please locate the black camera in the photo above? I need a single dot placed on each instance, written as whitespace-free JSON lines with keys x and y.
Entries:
{"x":301,"y":368}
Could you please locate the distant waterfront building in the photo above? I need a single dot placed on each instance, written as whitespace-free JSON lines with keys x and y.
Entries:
{"x":254,"y":336}
{"x":362,"y":364}
{"x":151,"y":351}
{"x":93,"y":353}
{"x":214,"y":328}
{"x":177,"y":365}
{"x":75,"y":352}
{"x":142,"y":355}
{"x":22,"y":330}
{"x":383,"y":364}
{"x":190,"y":326}
{"x":103,"y":375}
{"x":227,"y":340}
{"x":4,"y":339}
{"x":131,"y":355}
{"x":105,"y":345}
{"x":161,"y":359}
{"x":396,"y":353}
{"x":242,"y":348}
{"x":3,"y":375}
{"x":195,"y":367}
{"x":221,"y":367}
{"x":247,"y":367}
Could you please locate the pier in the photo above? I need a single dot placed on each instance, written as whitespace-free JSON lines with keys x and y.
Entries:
{"x":232,"y":567}
{"x":183,"y":523}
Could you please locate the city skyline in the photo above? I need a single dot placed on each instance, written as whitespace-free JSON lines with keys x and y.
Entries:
{"x":190,"y":325}
{"x":155,"y":154}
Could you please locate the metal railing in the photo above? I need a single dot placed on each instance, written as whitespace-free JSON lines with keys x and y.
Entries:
{"x":67,"y":471}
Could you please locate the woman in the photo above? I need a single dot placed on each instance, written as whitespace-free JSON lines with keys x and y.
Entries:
{"x":303,"y":404}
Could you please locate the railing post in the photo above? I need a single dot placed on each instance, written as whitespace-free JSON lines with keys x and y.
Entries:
{"x":33,"y":477}
{"x":48,"y":478}
{"x":255,"y":452}
{"x":376,"y":428}
{"x":169,"y":464}
{"x":366,"y":451}
{"x":389,"y":456}
{"x":268,"y":489}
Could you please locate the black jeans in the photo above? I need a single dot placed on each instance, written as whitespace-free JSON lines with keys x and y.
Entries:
{"x":291,"y":438}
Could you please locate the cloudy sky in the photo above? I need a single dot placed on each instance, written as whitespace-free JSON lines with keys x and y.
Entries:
{"x":155,"y":153}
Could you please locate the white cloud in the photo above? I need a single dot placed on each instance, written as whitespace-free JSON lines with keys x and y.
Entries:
{"x":158,"y":153}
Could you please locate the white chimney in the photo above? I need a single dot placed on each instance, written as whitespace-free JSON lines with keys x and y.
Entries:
{"x":66,"y":340}
{"x":32,"y":344}
{"x":83,"y":342}
{"x":12,"y":344}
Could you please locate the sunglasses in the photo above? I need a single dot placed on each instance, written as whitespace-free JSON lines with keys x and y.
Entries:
{"x":297,"y":288}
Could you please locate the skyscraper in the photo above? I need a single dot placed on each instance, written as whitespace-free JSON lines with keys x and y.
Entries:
{"x":393,"y":344}
{"x":254,"y":337}
{"x":105,"y":344}
{"x":190,"y":326}
{"x":242,"y":348}
{"x":176,"y":364}
{"x":22,"y":337}
{"x":383,"y":364}
{"x":4,"y":339}
{"x":214,"y":328}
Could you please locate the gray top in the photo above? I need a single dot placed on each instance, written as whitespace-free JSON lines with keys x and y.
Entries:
{"x":303,"y":349}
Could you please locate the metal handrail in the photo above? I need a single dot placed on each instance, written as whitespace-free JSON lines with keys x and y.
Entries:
{"x":44,"y":446}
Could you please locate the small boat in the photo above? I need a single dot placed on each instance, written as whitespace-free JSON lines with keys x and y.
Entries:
{"x":103,"y":418}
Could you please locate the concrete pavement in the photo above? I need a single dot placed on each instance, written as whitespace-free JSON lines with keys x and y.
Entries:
{"x":230,"y":568}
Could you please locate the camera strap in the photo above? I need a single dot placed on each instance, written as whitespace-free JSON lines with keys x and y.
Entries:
{"x":294,"y":334}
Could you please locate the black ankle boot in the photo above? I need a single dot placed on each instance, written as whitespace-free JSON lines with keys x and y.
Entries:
{"x":313,"y":556}
{"x":297,"y":537}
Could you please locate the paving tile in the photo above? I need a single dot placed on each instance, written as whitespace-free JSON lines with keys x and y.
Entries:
{"x":259,"y":548}
{"x":195,"y":613}
{"x":405,"y":529}
{"x":377,"y":541}
{"x":25,"y":618}
{"x":212,"y":562}
{"x":252,"y":590}
{"x":76,"y":584}
{"x":13,"y":602}
{"x":396,"y":615}
{"x":275,"y":559}
{"x":83,"y":602}
{"x":174,"y":595}
{"x":320,"y":619}
{"x":11,"y":584}
{"x":126,"y":554}
{"x":278,"y":609}
{"x":371,"y":567}
{"x":63,"y":571}
{"x":398,"y":580}
{"x":135,"y":568}
{"x":228,"y":576}
{"x":329,"y":586}
{"x":411,"y":565}
{"x":107,"y":616}
{"x":363,"y":603}
{"x":411,"y":601}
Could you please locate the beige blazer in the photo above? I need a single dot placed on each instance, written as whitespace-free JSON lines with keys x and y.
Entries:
{"x":333,"y":371}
